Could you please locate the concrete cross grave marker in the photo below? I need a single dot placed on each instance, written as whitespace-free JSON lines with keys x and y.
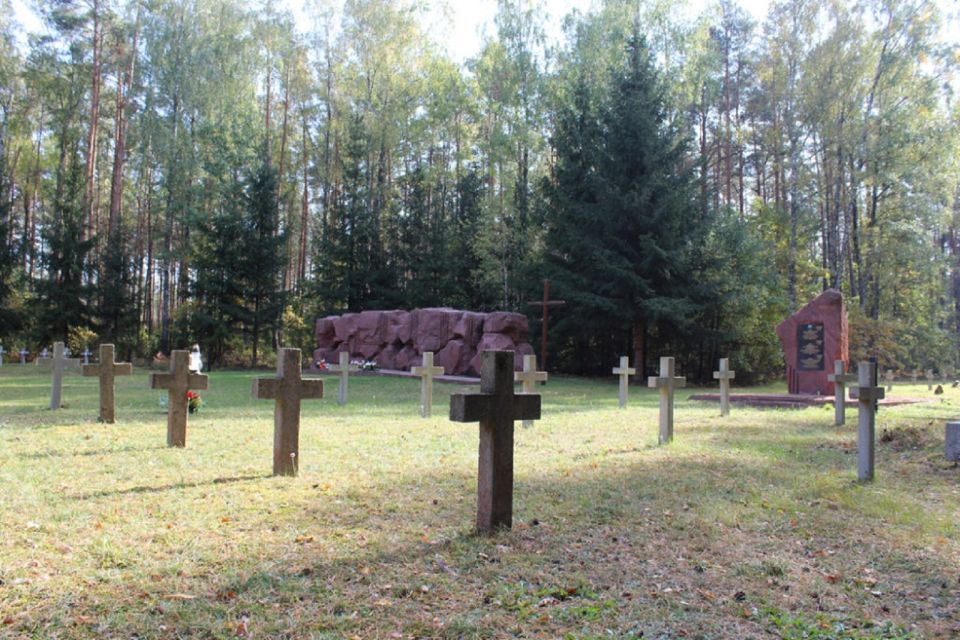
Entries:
{"x":177,"y":383}
{"x":23,"y":356}
{"x":529,"y":377}
{"x":840,"y":380}
{"x":2,"y":351}
{"x":344,"y":369}
{"x":42,"y":358}
{"x":914,"y":376}
{"x":287,"y":389}
{"x":868,"y":394}
{"x":928,"y":374}
{"x":624,"y":371}
{"x":496,"y":408}
{"x":86,"y":355}
{"x":724,"y":376}
{"x":426,"y":373}
{"x":106,"y":370}
{"x":666,"y":382}
{"x":61,"y":361}
{"x":889,"y":376}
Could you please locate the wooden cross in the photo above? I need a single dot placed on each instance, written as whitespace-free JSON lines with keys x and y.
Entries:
{"x":545,"y":305}
{"x":60,"y":363}
{"x":287,"y":389}
{"x":106,"y":370}
{"x":426,"y":373}
{"x":529,"y":377}
{"x":928,"y":374}
{"x":624,"y":371}
{"x":86,"y":355}
{"x":344,"y":368}
{"x":868,"y":394}
{"x":666,"y":383}
{"x":724,"y":376}
{"x":889,"y":376}
{"x":177,"y":383}
{"x":495,"y":408}
{"x":23,"y":355}
{"x":840,"y":380}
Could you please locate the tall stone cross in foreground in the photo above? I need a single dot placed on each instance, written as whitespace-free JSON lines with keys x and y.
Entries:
{"x":106,"y":370}
{"x":868,"y":394}
{"x":426,"y":373}
{"x":287,"y":389}
{"x":724,"y":376}
{"x":496,"y":407}
{"x":60,"y":363}
{"x":529,"y":377}
{"x":177,"y":383}
{"x":840,"y":380}
{"x":666,"y":382}
{"x":344,"y":369}
{"x":624,"y":371}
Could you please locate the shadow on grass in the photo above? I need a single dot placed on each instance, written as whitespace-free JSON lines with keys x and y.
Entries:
{"x":142,"y":489}
{"x":87,"y":452}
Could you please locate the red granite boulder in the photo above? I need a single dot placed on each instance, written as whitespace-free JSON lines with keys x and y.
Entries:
{"x":330,"y":354}
{"x":407,"y":330}
{"x":470,"y":328}
{"x":520,"y":350}
{"x":387,"y":359}
{"x":391,"y":323}
{"x":435,"y":328}
{"x":406,"y":358}
{"x":345,"y":326}
{"x":491,"y":342}
{"x":455,"y":358}
{"x":510,"y":324}
{"x":325,"y":332}
{"x":368,"y":334}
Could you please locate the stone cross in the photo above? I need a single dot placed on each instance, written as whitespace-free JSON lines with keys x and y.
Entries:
{"x":666,"y":383}
{"x":23,"y":355}
{"x":889,"y":376}
{"x":496,"y":408}
{"x":86,"y":355}
{"x":177,"y":383}
{"x":868,"y":394}
{"x":529,"y":377}
{"x":2,"y":351}
{"x":344,"y":368}
{"x":287,"y":389}
{"x":106,"y":370}
{"x":60,"y":363}
{"x":840,"y":380}
{"x":724,"y":376}
{"x":914,"y":376}
{"x":952,"y":441}
{"x":45,"y":353}
{"x":928,"y":374}
{"x":426,"y":373}
{"x":624,"y":371}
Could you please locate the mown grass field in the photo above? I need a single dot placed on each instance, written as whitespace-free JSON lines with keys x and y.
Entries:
{"x":750,"y":526}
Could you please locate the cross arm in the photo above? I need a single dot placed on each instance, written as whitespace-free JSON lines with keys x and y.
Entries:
{"x":526,"y":406}
{"x":427,"y":371}
{"x":90,"y":370}
{"x":311,"y":389}
{"x":197,"y":381}
{"x":870,"y":394}
{"x":724,"y":375}
{"x":160,"y":380}
{"x":535,"y":376}
{"x":122,"y":369}
{"x":842,"y":378}
{"x":265,"y":388}
{"x":469,"y":407}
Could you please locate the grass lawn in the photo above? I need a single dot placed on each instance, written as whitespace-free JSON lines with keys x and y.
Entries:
{"x":750,"y":526}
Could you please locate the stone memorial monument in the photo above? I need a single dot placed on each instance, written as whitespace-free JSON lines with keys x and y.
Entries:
{"x":812,"y":337}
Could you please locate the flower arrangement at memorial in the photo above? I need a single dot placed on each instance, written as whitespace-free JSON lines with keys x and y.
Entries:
{"x":322,"y":364}
{"x":366,"y":365}
{"x":194,"y":401}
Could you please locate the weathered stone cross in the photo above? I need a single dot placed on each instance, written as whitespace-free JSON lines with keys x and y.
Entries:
{"x":86,"y":355}
{"x":426,"y":373}
{"x":724,"y":376}
{"x":889,"y":376}
{"x":177,"y":383}
{"x":344,"y":369}
{"x":840,"y":380}
{"x":529,"y":377}
{"x":928,"y":374}
{"x":914,"y":376}
{"x":624,"y":371}
{"x":60,"y":363}
{"x":666,"y":382}
{"x":106,"y":370}
{"x":23,"y":355}
{"x":868,"y":394}
{"x":2,"y":351}
{"x":287,"y":389}
{"x":495,"y":408}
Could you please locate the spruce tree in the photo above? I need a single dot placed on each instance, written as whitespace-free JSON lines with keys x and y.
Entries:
{"x":117,"y":312}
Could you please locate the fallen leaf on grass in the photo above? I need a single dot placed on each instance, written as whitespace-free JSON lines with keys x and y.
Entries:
{"x":179,"y":596}
{"x":303,"y":539}
{"x":707,"y":595}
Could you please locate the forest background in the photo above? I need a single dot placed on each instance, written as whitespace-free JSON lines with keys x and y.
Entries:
{"x":180,"y":171}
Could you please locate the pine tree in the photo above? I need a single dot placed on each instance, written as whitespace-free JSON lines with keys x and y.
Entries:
{"x":10,"y":317}
{"x":117,"y":311}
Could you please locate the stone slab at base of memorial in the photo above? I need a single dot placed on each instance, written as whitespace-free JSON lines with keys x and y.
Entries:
{"x":794,"y":401}
{"x":395,"y":340}
{"x":813,"y":338}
